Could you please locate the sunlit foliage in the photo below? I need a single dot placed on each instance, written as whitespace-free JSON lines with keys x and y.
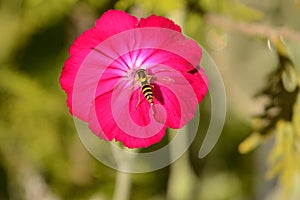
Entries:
{"x":280,"y":121}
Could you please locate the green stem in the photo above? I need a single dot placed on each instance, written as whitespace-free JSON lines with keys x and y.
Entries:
{"x":181,"y":179}
{"x":122,"y":186}
{"x":123,"y":179}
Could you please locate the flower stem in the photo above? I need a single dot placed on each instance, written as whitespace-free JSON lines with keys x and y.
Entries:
{"x":182,"y":180}
{"x":125,"y":161}
{"x":122,"y":186}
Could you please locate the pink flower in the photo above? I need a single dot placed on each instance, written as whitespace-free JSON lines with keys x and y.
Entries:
{"x":109,"y":65}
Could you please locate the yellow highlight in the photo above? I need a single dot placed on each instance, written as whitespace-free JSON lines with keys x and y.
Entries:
{"x":250,"y":143}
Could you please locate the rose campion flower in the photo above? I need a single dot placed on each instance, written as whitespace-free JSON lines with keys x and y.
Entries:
{"x":130,"y":79}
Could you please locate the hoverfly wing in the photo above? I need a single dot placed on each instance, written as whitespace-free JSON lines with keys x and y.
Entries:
{"x":172,"y":79}
{"x":172,"y":76}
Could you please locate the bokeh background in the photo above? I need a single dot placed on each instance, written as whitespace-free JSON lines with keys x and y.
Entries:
{"x":255,"y":44}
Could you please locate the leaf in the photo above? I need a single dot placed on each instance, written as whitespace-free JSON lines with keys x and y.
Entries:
{"x":250,"y":143}
{"x":231,"y":8}
{"x":277,"y":149}
{"x":124,"y":4}
{"x":274,"y":170}
{"x":284,"y":159}
{"x":279,"y":44}
{"x":161,"y":7}
{"x":289,"y":78}
{"x":296,"y":117}
{"x":243,"y":12}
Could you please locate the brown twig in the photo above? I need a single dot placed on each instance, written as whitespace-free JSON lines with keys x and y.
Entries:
{"x":252,"y":29}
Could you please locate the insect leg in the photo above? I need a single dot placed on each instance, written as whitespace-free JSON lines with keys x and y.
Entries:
{"x":139,"y":97}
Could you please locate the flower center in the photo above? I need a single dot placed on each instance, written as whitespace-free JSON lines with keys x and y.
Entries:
{"x":136,"y":73}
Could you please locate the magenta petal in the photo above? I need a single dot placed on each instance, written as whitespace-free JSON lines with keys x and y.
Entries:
{"x":143,"y":113}
{"x":114,"y":115}
{"x":109,"y":79}
{"x":199,"y":83}
{"x":143,"y":124}
{"x":139,"y":112}
{"x":172,"y":106}
{"x":159,"y":58}
{"x":126,"y":55}
{"x":179,"y":111}
{"x":135,"y":142}
{"x":108,"y":128}
{"x":68,"y":76}
{"x":158,"y":21}
{"x":105,"y":27}
{"x":87,"y":40}
{"x":109,"y":24}
{"x":178,"y":96}
{"x":99,"y":78}
{"x":79,"y":51}
{"x":81,"y":75}
{"x":115,"y":21}
{"x":70,"y":70}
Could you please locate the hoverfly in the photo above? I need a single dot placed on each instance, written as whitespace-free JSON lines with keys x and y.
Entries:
{"x":144,"y":79}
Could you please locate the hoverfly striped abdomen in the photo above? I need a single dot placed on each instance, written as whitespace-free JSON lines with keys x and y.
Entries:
{"x":146,"y":87}
{"x":148,"y":93}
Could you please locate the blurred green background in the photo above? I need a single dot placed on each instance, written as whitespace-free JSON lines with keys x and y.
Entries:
{"x":255,"y":44}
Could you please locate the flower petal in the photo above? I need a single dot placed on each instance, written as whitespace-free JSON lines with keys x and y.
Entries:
{"x":99,"y":78}
{"x":158,"y":21}
{"x":113,"y":22}
{"x":179,"y":96}
{"x":157,"y":58}
{"x":136,"y":142}
{"x":114,"y":115}
{"x":80,"y":79}
{"x":99,"y":112}
{"x":68,"y":75}
{"x":109,"y":24}
{"x":199,"y":82}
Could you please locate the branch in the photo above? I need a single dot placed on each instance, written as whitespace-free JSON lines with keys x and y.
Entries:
{"x":252,"y":29}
